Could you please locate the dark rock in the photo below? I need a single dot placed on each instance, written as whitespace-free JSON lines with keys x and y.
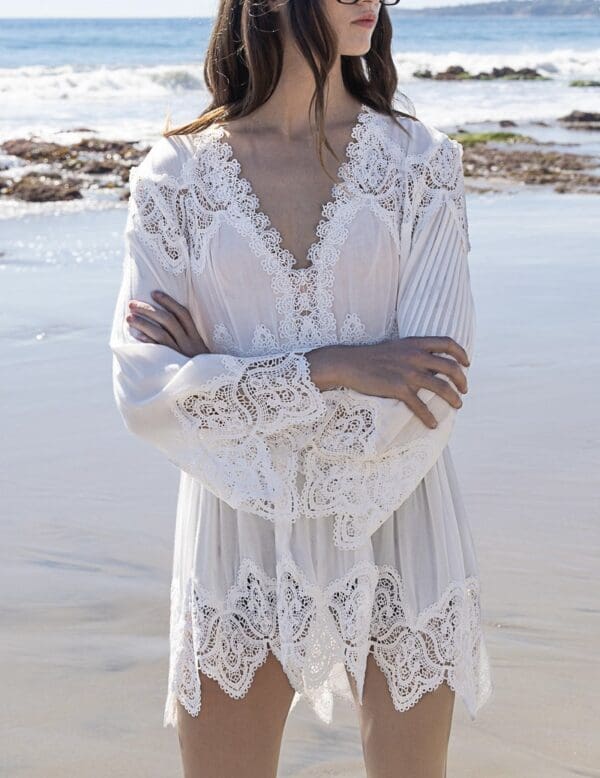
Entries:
{"x":580,"y":116}
{"x":566,"y":171}
{"x":457,"y":72}
{"x":101,"y":166}
{"x":36,"y":151}
{"x":451,"y":73}
{"x":521,"y":73}
{"x":124,"y":149}
{"x":584,"y":82}
{"x":35,"y":187}
{"x":581,"y":120}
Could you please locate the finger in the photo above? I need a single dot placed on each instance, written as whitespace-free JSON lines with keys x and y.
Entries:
{"x":154,"y":331}
{"x":143,"y":337}
{"x":165,"y":318}
{"x":449,"y":367}
{"x":441,"y":343}
{"x":179,"y":311}
{"x":420,"y":409}
{"x":441,"y":387}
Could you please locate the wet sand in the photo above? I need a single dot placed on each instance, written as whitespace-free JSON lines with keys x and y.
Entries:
{"x":87,"y":511}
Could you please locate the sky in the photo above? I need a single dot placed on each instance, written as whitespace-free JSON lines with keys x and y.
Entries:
{"x":148,"y":8}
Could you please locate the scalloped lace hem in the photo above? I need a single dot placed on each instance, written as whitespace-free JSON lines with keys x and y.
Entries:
{"x":321,"y":634}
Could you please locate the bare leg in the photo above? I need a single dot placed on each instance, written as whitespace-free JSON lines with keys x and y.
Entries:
{"x":408,"y":744}
{"x":230,"y":737}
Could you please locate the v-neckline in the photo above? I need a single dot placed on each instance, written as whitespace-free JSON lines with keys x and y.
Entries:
{"x":328,"y":209}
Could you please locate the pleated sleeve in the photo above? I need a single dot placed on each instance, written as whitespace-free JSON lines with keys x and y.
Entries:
{"x":370,"y":453}
{"x":232,"y":422}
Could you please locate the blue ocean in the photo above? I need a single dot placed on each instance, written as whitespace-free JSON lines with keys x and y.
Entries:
{"x":122,"y":77}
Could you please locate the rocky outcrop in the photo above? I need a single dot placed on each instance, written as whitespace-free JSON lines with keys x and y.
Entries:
{"x":458,"y":73}
{"x":581,"y":120}
{"x":42,"y":171}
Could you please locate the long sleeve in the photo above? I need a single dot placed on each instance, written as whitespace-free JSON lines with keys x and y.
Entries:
{"x":232,"y":422}
{"x":370,"y":453}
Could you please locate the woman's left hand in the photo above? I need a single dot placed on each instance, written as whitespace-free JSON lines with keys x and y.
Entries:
{"x":171,"y":325}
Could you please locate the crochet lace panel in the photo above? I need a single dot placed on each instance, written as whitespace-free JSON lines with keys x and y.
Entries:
{"x":156,"y":214}
{"x":243,"y":431}
{"x":266,"y":395}
{"x":311,"y":630}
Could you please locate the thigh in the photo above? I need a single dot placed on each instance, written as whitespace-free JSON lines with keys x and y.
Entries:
{"x":407,"y":744}
{"x":232,"y":737}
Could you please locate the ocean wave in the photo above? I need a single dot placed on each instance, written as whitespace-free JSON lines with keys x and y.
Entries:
{"x":146,"y":82}
{"x":66,"y":82}
{"x":556,"y":63}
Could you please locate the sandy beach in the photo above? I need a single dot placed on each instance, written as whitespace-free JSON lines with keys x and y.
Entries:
{"x":88,"y":511}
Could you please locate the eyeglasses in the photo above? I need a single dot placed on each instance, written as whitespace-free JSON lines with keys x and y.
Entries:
{"x":383,"y":2}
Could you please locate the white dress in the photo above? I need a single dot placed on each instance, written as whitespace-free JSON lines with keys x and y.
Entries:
{"x":322,"y":525}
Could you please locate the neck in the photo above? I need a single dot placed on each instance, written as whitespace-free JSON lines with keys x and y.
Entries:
{"x":286,"y":112}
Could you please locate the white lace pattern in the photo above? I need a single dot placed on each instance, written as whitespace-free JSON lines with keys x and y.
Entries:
{"x":311,"y":630}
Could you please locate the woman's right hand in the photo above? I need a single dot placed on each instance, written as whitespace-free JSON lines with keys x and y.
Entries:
{"x":395,"y":368}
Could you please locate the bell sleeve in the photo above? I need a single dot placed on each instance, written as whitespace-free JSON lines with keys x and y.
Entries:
{"x":370,"y":453}
{"x":234,"y":423}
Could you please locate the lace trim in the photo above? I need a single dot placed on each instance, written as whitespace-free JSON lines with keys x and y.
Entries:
{"x":223,"y":340}
{"x":177,"y":215}
{"x":156,"y":214}
{"x":264,"y":341}
{"x":304,"y":295}
{"x":347,"y":483}
{"x":242,"y":431}
{"x":261,"y":396}
{"x":434,"y":179}
{"x":313,"y":630}
{"x":353,"y":330}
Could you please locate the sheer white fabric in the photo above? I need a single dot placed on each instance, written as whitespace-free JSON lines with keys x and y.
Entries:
{"x":321,"y":525}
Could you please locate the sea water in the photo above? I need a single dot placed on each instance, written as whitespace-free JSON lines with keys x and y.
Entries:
{"x":123,"y":77}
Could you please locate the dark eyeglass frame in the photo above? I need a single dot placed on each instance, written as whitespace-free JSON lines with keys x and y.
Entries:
{"x":383,"y":2}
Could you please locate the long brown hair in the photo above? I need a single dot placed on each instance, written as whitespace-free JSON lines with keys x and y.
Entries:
{"x":244,"y":59}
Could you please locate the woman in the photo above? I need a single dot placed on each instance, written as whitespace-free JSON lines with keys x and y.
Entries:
{"x":305,"y":381}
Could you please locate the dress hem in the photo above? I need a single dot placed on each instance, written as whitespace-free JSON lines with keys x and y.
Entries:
{"x":321,"y":634}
